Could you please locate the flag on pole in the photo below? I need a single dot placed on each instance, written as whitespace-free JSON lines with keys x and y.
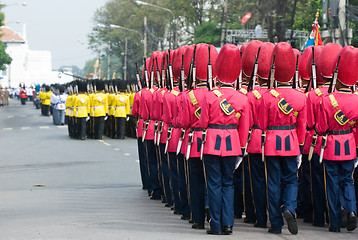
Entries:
{"x":315,"y":38}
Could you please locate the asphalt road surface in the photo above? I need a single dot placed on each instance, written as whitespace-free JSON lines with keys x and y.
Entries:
{"x":53,"y":187}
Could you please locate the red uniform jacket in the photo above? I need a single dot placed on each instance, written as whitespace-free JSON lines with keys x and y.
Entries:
{"x":158,"y":97}
{"x":169,"y":104}
{"x":145,"y":111}
{"x":225,"y":142}
{"x":135,"y":112}
{"x":313,"y":104}
{"x":340,"y":146}
{"x":283,"y":142}
{"x":188,"y":117}
{"x":255,"y":98}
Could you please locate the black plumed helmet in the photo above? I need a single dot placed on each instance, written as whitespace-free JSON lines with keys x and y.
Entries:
{"x":99,"y":85}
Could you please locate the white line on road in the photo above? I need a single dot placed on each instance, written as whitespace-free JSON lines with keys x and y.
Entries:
{"x":61,"y":126}
{"x":137,"y":161}
{"x":7,"y":129}
{"x":10,"y":116}
{"x":44,"y":127}
{"x":127,"y":154}
{"x":23,"y":116}
{"x":25,"y":128}
{"x":116,"y":149}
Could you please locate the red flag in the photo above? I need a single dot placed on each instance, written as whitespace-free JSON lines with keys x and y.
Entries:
{"x":246,"y":18}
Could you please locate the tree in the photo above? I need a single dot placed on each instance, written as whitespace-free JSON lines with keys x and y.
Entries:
{"x":5,"y":59}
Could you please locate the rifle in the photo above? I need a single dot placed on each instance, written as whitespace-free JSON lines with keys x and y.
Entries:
{"x":182,"y":75}
{"x":159,"y":78}
{"x":313,"y":81}
{"x":138,"y":77}
{"x":239,"y":81}
{"x":295,"y":84}
{"x":271,"y":79}
{"x":210,"y":73}
{"x":146,"y":74}
{"x":330,"y":90}
{"x":170,"y":71}
{"x":192,"y":71}
{"x":163,"y":72}
{"x":152,"y":76}
{"x":252,"y":81}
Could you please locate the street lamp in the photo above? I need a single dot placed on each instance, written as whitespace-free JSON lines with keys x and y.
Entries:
{"x":165,"y":9}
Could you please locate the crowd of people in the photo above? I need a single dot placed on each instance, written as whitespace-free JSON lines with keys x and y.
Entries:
{"x":260,"y":130}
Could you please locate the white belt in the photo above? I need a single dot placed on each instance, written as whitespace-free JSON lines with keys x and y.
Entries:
{"x":121,"y":107}
{"x":81,"y":107}
{"x":100,"y":106}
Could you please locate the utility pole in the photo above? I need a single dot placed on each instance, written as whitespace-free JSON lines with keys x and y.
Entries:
{"x":145,"y":37}
{"x":223,"y":26}
{"x":125,"y":59}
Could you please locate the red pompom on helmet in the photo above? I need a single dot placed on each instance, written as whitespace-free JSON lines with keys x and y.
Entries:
{"x":147,"y":63}
{"x":265,"y":60}
{"x":302,"y":64}
{"x":347,"y":68}
{"x":243,"y":48}
{"x":248,"y":57}
{"x":228,"y":64}
{"x":188,"y":56}
{"x":317,"y":56}
{"x":285,"y":62}
{"x":202,"y":60}
{"x":159,"y":56}
{"x":329,"y":53}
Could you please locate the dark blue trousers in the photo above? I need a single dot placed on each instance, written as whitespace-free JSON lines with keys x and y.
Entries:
{"x":238,"y":192}
{"x":219,"y":176}
{"x":153,"y":169}
{"x":166,"y":174}
{"x":248,"y":198}
{"x":339,"y":181}
{"x":183,"y":186}
{"x":305,"y":189}
{"x":160,"y":171}
{"x":318,"y":191}
{"x":174,"y":182}
{"x":143,"y":163}
{"x":258,"y":180}
{"x":197,"y":189}
{"x":282,"y":187}
{"x":355,"y":176}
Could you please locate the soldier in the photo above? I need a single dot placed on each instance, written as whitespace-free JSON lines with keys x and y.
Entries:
{"x":313,"y":141}
{"x":188,"y":118}
{"x":81,"y":106}
{"x":225,"y":115}
{"x":99,"y":105}
{"x":69,"y":109}
{"x":111,"y":96}
{"x":337,"y":118}
{"x":248,"y":64}
{"x":283,"y":120}
{"x":256,"y":165}
{"x":121,"y":109}
{"x":45,"y":100}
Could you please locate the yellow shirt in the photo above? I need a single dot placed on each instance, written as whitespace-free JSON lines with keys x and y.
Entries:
{"x":69,"y":105}
{"x":121,"y":105}
{"x":46,"y":98}
{"x":99,"y":104}
{"x":81,"y":105}
{"x":111,"y":98}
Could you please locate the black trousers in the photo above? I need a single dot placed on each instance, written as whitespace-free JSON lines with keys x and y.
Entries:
{"x":98,"y":127}
{"x":45,"y":110}
{"x":120,"y":127}
{"x":81,"y":128}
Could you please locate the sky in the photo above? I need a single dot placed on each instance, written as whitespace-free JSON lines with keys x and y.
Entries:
{"x":58,"y":26}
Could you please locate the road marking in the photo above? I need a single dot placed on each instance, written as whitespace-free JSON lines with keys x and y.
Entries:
{"x":44,"y":127}
{"x":25,"y":128}
{"x":7,"y":129}
{"x":116,"y":149}
{"x":127,"y":154}
{"x":61,"y":126}
{"x":23,"y":116}
{"x":137,"y":161}
{"x":10,"y":116}
{"x":107,"y":144}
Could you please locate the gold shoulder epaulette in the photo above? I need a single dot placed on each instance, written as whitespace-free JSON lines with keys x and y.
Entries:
{"x":151,"y":90}
{"x":333,"y":101}
{"x":163,"y":92}
{"x":217,"y":93}
{"x":318,"y":92}
{"x":274,"y":93}
{"x":356,"y":93}
{"x":306,"y":94}
{"x":193,"y":98}
{"x":243,"y":90}
{"x":256,"y":94}
{"x":175,"y":93}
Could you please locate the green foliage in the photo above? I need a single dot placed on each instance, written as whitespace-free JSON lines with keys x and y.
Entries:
{"x":306,"y":14}
{"x":207,"y":32}
{"x":5,"y":59}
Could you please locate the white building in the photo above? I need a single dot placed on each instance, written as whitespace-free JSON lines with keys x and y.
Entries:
{"x":27,"y":66}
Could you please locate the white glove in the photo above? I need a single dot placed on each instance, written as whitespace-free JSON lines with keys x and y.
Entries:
{"x":105,"y":118}
{"x":355,"y":162}
{"x":299,"y":161}
{"x":238,"y":161}
{"x":87,"y":118}
{"x":127,"y":119}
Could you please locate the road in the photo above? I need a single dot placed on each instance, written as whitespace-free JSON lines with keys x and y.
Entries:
{"x":54,"y":188}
